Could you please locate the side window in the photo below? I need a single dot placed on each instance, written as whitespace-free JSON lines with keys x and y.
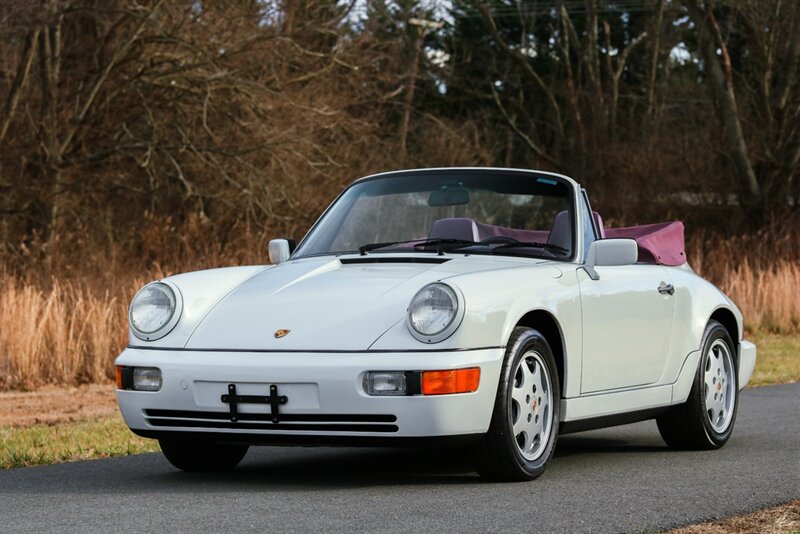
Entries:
{"x":589,"y":236}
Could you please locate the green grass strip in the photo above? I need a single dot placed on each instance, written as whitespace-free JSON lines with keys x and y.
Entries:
{"x":778,"y":358}
{"x":67,"y":442}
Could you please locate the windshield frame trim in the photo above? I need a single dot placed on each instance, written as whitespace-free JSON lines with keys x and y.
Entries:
{"x":573,"y":186}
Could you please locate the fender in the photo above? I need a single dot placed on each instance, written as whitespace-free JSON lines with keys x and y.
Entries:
{"x":545,"y":287}
{"x":201,"y":291}
{"x":696,"y":301}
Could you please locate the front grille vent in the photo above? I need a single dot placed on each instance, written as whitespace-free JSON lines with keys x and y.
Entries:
{"x":263,"y":421}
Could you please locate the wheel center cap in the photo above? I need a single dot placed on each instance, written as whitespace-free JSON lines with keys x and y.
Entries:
{"x":533,"y":405}
{"x":719,"y":386}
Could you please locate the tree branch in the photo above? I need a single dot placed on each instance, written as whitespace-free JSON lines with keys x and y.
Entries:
{"x":20,"y":78}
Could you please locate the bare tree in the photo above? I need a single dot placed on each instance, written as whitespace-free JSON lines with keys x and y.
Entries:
{"x":766,"y":155}
{"x":222,"y":109}
{"x":720,"y":75}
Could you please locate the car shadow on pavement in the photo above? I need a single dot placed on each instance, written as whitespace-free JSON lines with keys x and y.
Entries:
{"x":326,"y":467}
{"x":577,"y":444}
{"x":321,"y":468}
{"x":339,"y":468}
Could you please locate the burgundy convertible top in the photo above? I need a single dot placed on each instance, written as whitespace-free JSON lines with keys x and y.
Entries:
{"x":660,"y":243}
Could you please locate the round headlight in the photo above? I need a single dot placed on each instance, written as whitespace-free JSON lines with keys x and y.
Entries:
{"x":153,"y":308}
{"x":433,"y":312}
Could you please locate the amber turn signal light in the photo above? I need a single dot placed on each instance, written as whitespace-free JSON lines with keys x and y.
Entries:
{"x":119,"y":377}
{"x":448,"y":382}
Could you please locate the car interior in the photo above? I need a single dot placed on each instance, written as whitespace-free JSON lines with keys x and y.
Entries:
{"x":659,"y":244}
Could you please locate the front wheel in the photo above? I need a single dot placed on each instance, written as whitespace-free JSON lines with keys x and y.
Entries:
{"x":524,"y":428}
{"x":201,"y":456}
{"x":705,"y":420}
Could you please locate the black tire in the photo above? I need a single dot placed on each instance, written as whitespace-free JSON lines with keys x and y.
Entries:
{"x":686,"y":426}
{"x":498,"y":456}
{"x":201,"y":456}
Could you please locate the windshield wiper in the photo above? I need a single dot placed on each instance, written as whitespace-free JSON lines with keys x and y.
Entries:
{"x":439,"y":242}
{"x":363,"y":249}
{"x":546,"y":246}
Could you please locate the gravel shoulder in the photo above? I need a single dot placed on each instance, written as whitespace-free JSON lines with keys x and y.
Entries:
{"x":54,"y":405}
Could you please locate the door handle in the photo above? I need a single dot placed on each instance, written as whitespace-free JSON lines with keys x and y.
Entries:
{"x":666,"y":289}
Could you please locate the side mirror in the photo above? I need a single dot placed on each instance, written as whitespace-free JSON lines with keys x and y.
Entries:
{"x":610,"y":252}
{"x":279,"y":251}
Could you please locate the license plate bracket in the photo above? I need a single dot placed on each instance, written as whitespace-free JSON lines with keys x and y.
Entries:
{"x":273,"y":399}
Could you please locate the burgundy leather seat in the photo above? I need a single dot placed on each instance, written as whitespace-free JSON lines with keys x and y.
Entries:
{"x":455,"y":228}
{"x":560,"y":233}
{"x":598,"y":221}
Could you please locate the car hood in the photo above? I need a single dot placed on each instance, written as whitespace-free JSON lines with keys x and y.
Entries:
{"x":326,"y":303}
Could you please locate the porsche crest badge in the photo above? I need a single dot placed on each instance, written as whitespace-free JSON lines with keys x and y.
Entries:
{"x":281,"y":333}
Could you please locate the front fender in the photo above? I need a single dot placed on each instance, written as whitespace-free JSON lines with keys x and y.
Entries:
{"x":496,"y":302}
{"x":201,"y":291}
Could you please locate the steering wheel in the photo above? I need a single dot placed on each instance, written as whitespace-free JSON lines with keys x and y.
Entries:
{"x":498,"y":240}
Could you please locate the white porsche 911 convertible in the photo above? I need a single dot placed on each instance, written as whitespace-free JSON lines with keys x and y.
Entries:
{"x":479,"y":307}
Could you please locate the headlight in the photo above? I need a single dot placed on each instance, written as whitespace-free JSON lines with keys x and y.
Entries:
{"x":154,"y":311}
{"x":434,"y":313}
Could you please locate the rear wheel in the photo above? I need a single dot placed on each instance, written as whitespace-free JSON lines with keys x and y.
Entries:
{"x":524,"y":428}
{"x":705,"y":420}
{"x":200,"y":455}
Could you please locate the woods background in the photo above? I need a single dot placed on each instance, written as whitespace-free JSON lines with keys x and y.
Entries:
{"x":141,"y":138}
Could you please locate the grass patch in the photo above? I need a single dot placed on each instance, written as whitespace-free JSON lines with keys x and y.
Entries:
{"x":778,"y":358}
{"x":66,"y":442}
{"x":785,"y":518}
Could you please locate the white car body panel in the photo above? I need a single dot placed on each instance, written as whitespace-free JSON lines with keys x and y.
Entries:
{"x":696,"y":300}
{"x":493,"y":312}
{"x":626,"y":347}
{"x":618,"y":402}
{"x":747,"y":362}
{"x":327,"y":305}
{"x":200,"y":291}
{"x":627,"y":327}
{"x":683,"y":384}
{"x":335,"y":377}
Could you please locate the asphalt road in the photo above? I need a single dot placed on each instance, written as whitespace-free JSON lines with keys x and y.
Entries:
{"x":612,"y":480}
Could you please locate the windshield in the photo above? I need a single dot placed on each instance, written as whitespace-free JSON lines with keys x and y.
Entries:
{"x":468,"y":211}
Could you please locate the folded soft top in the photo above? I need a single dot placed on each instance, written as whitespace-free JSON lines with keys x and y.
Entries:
{"x":660,"y":243}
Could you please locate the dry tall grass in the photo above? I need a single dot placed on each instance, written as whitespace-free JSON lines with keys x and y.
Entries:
{"x":766,"y":296}
{"x":68,"y":333}
{"x":63,"y":334}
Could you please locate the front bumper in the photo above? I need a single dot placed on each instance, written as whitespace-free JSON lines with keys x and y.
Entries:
{"x":324,"y":391}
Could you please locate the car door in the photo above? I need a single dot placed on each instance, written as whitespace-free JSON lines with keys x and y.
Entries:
{"x":627,"y":326}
